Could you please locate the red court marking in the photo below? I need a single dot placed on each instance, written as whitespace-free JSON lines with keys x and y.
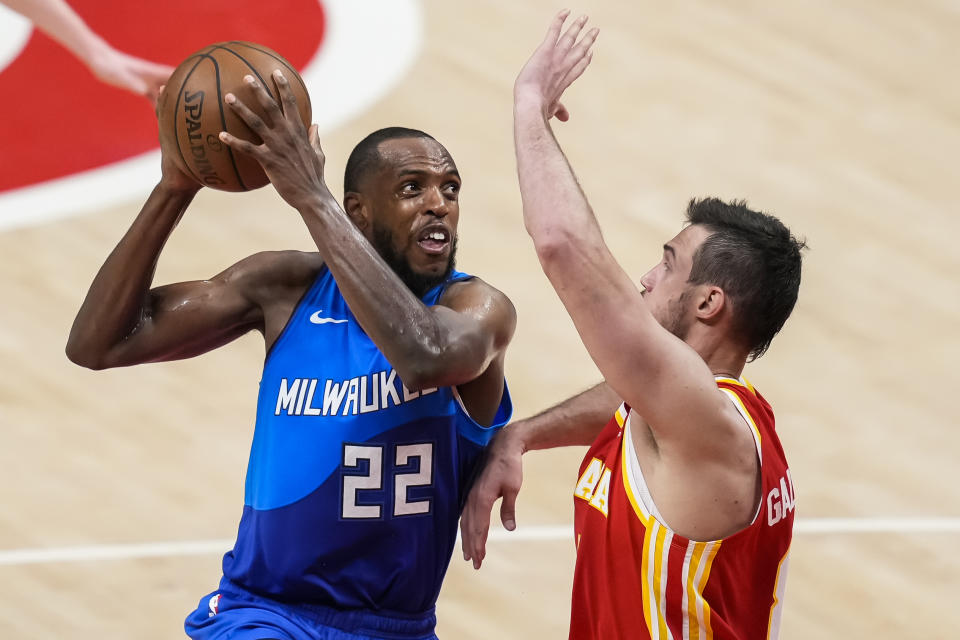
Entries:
{"x":57,"y":119}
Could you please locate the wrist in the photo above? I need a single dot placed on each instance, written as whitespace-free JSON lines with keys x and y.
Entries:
{"x":516,"y":436}
{"x":528,"y":101}
{"x":180,"y":189}
{"x":317,"y":204}
{"x":91,"y":48}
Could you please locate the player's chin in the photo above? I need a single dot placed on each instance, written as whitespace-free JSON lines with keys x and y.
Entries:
{"x":434,"y":270}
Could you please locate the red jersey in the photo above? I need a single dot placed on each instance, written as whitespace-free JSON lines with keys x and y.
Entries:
{"x":636,"y":578}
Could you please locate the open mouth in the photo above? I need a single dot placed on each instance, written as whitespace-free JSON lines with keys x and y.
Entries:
{"x":434,"y":239}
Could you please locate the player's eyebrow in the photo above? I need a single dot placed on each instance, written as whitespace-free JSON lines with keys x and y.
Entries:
{"x":668,"y":250}
{"x":402,"y":173}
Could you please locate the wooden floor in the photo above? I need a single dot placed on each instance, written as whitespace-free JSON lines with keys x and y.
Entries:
{"x":841,"y":118}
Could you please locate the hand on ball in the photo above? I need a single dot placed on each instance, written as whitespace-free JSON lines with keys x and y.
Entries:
{"x":192,"y":113}
{"x":290,"y":155}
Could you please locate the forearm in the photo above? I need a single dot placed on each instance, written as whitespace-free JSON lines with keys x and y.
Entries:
{"x":404,"y":329}
{"x":118,"y":297}
{"x":574,"y":422}
{"x":555,"y":209}
{"x":59,"y":21}
{"x":592,"y":286}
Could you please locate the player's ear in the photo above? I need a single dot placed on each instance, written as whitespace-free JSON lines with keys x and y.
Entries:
{"x":711,"y":303}
{"x":356,"y":208}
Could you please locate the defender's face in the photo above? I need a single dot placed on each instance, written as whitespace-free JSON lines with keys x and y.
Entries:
{"x":665,"y":287}
{"x":415,"y":203}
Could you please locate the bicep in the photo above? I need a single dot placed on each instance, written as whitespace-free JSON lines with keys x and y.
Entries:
{"x":189,"y":318}
{"x":661,"y":377}
{"x":656,"y":373}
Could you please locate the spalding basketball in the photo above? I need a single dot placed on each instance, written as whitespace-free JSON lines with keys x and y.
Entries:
{"x":192,"y":112}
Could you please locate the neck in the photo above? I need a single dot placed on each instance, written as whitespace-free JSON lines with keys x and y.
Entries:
{"x":722,"y":356}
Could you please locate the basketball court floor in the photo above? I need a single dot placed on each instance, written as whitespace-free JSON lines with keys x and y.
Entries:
{"x":121,"y":489}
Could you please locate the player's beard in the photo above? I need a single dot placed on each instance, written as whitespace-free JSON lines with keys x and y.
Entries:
{"x":677,"y":318}
{"x":418,"y":283}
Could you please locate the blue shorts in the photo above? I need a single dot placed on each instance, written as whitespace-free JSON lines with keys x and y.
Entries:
{"x":232,"y":613}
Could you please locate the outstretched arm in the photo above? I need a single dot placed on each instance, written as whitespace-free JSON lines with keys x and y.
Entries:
{"x":652,"y":370}
{"x":60,"y":22}
{"x":447,"y":344}
{"x":575,"y":421}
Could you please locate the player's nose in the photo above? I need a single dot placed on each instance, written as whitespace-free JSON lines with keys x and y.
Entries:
{"x":647,"y":281}
{"x":436,"y":203}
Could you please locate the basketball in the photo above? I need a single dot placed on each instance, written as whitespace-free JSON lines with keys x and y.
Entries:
{"x":192,"y":113}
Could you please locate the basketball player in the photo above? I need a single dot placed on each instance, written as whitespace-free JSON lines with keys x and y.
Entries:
{"x":382,"y":384}
{"x":683,"y":510}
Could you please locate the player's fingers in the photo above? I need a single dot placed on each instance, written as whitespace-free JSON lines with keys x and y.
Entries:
{"x":480,"y":550}
{"x":466,"y":532}
{"x":573,"y":32}
{"x":553,"y":31}
{"x":253,"y":121}
{"x":313,"y":136}
{"x":577,"y":70}
{"x":583,"y":47}
{"x":561,"y":113}
{"x":464,"y":540}
{"x":287,"y":99}
{"x":243,"y":146}
{"x":265,"y":99}
{"x":508,"y":510}
{"x":476,"y":527}
{"x":160,"y":71}
{"x":478,"y":542}
{"x":135,"y":84}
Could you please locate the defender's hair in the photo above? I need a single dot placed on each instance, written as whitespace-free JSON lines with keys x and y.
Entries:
{"x":755,"y":259}
{"x":365,"y":156}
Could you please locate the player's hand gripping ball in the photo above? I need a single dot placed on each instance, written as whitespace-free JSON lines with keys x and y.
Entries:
{"x":191,"y":111}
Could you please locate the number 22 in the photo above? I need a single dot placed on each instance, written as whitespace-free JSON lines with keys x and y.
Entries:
{"x":373,"y":480}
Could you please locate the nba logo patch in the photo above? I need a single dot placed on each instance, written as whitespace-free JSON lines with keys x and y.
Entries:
{"x":214,"y":605}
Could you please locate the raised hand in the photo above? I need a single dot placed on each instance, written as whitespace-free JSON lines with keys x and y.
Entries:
{"x":129,"y":72}
{"x":502,"y":476}
{"x":290,"y":155}
{"x":556,"y":63}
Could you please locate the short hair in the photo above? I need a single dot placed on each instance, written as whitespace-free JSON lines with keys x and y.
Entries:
{"x":365,"y":156}
{"x":755,"y":259}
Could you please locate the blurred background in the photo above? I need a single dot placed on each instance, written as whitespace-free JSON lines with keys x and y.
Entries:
{"x":842,"y":118}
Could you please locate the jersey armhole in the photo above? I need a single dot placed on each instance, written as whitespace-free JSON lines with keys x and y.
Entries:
{"x":473,"y":430}
{"x":296,"y":310}
{"x":752,"y":425}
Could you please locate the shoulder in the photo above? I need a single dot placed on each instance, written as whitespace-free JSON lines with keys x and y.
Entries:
{"x":288,"y":264}
{"x":470,"y":293}
{"x":485,"y":302}
{"x":270,"y":272}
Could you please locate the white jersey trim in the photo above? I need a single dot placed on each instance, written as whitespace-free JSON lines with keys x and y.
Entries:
{"x":637,"y":484}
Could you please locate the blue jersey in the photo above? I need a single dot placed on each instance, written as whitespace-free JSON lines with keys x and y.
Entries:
{"x":355,"y":483}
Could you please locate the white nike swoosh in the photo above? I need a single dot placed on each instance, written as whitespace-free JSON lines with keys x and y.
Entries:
{"x":317,"y":319}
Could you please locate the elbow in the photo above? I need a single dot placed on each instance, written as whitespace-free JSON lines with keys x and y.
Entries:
{"x":423,"y":373}
{"x":82,"y":357}
{"x":553,"y":248}
{"x":566,"y":253}
{"x":432,"y":366}
{"x":445,"y":356}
